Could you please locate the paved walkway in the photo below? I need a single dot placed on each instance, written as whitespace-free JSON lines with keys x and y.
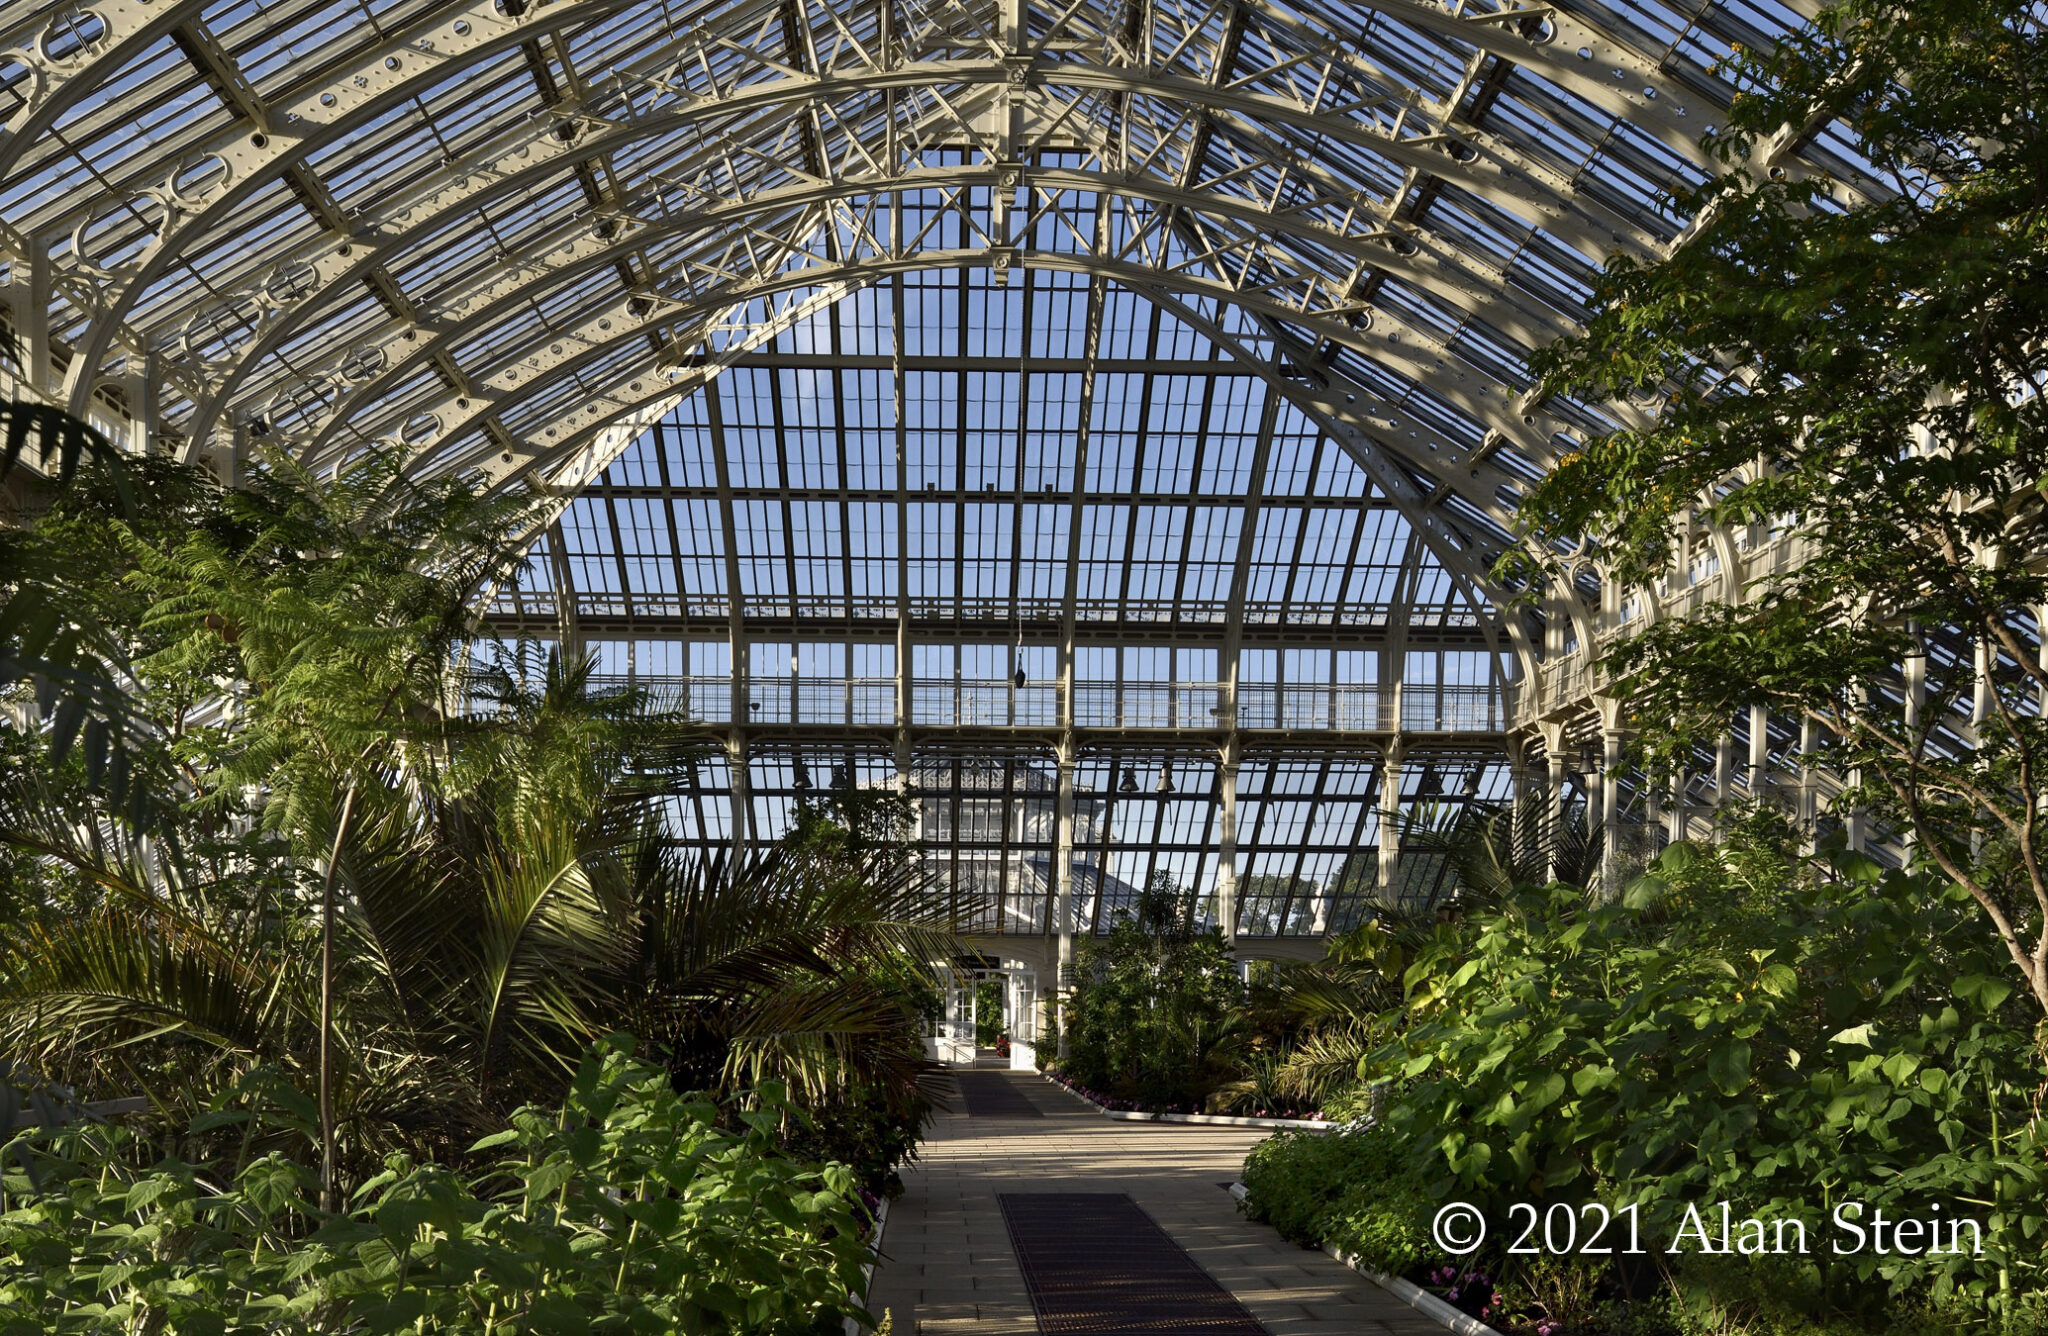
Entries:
{"x":948,"y":1267}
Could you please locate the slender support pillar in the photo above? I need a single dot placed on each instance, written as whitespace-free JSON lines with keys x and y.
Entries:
{"x":1759,"y":749}
{"x":1809,"y":783}
{"x":1063,"y":871}
{"x":1226,"y":840}
{"x":1390,"y":818}
{"x":1553,"y":822}
{"x":1914,"y":671}
{"x":1681,"y":818}
{"x":1855,"y":826}
{"x":2041,"y":657}
{"x":1982,"y":661}
{"x":736,"y":743}
{"x":1724,"y":769}
{"x":737,"y":761}
{"x":1519,"y":783}
{"x":1596,"y":796}
{"x":1980,"y":697}
{"x":903,"y":700}
{"x":36,"y":361}
{"x":1610,"y":800}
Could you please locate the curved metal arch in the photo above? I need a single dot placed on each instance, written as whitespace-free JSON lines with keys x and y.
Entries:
{"x":586,"y":254}
{"x":1457,"y":557}
{"x":580,"y":249}
{"x":456,"y":40}
{"x":433,"y":51}
{"x":133,"y":24}
{"x":528,"y":156}
{"x":1354,"y":429}
{"x":531,"y":370}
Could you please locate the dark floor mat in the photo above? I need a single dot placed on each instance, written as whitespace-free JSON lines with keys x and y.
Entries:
{"x":995,"y":1095}
{"x":1096,"y":1265}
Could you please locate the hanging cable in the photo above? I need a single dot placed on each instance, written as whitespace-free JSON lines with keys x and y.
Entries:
{"x":1018,"y":677}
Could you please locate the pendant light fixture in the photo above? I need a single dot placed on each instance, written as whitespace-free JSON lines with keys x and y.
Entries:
{"x":1018,"y":677}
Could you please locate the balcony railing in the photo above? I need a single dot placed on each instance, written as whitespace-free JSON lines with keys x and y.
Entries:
{"x":981,"y":703}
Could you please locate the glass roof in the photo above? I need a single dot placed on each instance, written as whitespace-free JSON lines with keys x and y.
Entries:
{"x":982,"y":477}
{"x":1172,"y":355}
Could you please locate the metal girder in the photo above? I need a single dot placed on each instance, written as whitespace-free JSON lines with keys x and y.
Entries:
{"x":131,"y":25}
{"x":327,"y":268}
{"x":523,"y":280}
{"x":428,"y":53}
{"x":529,"y":371}
{"x":396,"y":66}
{"x":1089,"y":631}
{"x":1467,"y":565}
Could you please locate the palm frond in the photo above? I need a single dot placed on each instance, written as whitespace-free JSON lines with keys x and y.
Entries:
{"x":83,"y":988}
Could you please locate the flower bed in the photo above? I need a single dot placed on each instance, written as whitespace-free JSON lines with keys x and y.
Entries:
{"x":1115,"y":1104}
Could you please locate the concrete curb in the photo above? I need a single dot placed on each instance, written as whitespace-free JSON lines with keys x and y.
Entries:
{"x":1200,"y":1119}
{"x":1421,"y":1300}
{"x":867,"y":1284}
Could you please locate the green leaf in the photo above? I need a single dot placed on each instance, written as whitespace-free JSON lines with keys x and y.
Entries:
{"x":1988,"y":993}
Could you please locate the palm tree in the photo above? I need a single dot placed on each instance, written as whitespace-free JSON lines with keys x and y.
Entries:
{"x":489,"y":927}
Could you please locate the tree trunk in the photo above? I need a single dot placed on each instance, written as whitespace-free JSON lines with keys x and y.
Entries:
{"x":328,"y":1201}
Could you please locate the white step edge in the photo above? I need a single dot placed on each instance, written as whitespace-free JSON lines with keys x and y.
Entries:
{"x":1204,"y":1119}
{"x":867,"y":1283}
{"x":1421,"y":1300}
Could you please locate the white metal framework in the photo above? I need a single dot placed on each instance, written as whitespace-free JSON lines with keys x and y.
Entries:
{"x":1098,"y":390}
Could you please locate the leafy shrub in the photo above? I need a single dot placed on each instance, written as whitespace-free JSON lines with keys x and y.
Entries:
{"x":866,"y":1130}
{"x":1157,"y":1016}
{"x":1748,"y":1028}
{"x":1354,"y":1189}
{"x":629,"y":1209}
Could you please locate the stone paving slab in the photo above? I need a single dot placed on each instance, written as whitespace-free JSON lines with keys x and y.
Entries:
{"x":947,"y":1265}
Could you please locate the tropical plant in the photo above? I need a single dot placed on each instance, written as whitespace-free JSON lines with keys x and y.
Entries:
{"x":1157,"y":1014}
{"x":1355,"y":1189}
{"x":1479,"y":855}
{"x":1747,"y":1027}
{"x":72,"y":660}
{"x":629,"y":1208}
{"x":487,"y":933}
{"x":1860,"y":377}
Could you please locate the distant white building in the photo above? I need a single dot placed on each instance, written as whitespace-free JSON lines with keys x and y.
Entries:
{"x":990,"y":825}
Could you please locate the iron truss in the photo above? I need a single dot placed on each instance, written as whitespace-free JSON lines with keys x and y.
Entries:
{"x":717,"y":273}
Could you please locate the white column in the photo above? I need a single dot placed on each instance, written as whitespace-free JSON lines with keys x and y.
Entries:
{"x":1553,"y":825}
{"x":1759,"y":748}
{"x":2041,"y":655}
{"x":1915,"y":672}
{"x":736,"y":760}
{"x":1980,"y":698}
{"x":1518,"y":799}
{"x":902,"y":700}
{"x":1596,"y":794}
{"x":1226,"y":840}
{"x":1980,"y":711}
{"x":1063,"y":873}
{"x":1390,"y":816}
{"x":1809,"y":783}
{"x":1610,"y":800}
